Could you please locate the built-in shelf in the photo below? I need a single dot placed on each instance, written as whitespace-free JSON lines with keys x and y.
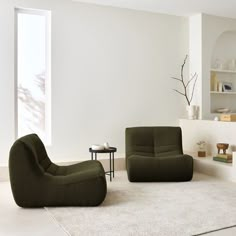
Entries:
{"x":218,"y":113}
{"x":224,"y":93}
{"x":222,"y":170}
{"x":223,"y":71}
{"x":212,"y":132}
{"x":209,"y":160}
{"x":224,"y":99}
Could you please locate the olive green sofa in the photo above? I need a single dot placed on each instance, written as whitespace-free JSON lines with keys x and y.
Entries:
{"x":37,"y":182}
{"x":156,"y":154}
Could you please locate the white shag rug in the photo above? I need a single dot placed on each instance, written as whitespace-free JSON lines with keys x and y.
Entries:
{"x":163,"y":209}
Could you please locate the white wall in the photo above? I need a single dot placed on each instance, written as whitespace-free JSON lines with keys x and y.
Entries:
{"x":111,"y":69}
{"x":195,"y":55}
{"x":6,"y":79}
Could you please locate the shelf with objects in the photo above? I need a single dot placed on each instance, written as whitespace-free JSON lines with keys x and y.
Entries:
{"x":223,"y":91}
{"x":223,"y":71}
{"x":223,"y":75}
{"x":210,"y":133}
{"x":207,"y":165}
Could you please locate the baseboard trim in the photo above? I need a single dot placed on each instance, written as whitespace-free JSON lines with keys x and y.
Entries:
{"x":119,"y":165}
{"x":4,"y":173}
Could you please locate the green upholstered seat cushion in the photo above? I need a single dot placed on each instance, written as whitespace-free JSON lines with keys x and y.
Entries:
{"x":82,"y":167}
{"x":83,"y":171}
{"x":171,"y":168}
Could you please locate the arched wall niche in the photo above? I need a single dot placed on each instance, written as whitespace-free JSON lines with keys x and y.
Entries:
{"x":224,"y":50}
{"x":223,"y":74}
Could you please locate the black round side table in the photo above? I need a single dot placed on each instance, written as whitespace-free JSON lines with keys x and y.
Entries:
{"x":111,"y":152}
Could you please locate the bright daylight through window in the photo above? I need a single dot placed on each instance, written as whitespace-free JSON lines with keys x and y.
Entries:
{"x":33,"y":82}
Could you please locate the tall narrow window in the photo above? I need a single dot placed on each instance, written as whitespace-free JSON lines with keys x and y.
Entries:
{"x":33,"y":86}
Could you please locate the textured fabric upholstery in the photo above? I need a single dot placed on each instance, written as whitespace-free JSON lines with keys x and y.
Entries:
{"x":156,"y":154}
{"x":37,"y":182}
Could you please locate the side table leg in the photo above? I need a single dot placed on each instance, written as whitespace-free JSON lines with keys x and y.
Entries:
{"x":91,"y":156}
{"x":110,"y":167}
{"x":113,"y":164}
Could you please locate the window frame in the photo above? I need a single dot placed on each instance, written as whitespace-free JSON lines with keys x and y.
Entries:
{"x":47,"y":14}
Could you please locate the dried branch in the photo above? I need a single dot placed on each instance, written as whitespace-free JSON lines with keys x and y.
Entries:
{"x":182,"y":68}
{"x":176,"y":79}
{"x":195,"y":74}
{"x":193,"y":89}
{"x":185,"y":85}
{"x":179,"y":92}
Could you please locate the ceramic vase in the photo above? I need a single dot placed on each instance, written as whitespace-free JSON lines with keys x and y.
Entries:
{"x":192,"y":112}
{"x":106,"y":145}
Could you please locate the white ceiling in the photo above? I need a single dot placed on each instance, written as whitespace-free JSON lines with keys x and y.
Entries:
{"x":226,"y":8}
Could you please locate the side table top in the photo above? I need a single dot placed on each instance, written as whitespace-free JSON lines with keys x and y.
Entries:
{"x":111,"y":149}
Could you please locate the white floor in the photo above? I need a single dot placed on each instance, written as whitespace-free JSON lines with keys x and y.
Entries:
{"x":15,"y":221}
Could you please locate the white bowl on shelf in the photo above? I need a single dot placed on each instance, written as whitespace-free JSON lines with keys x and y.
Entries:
{"x":223,"y":110}
{"x":97,"y":147}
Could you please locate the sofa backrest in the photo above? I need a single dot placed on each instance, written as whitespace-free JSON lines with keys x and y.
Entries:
{"x":154,"y":141}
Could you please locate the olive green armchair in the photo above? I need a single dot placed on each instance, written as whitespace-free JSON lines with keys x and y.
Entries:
{"x":37,"y":182}
{"x":156,"y":154}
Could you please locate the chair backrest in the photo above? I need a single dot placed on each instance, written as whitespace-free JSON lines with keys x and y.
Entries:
{"x":28,"y":156}
{"x":139,"y":141}
{"x":154,"y":141}
{"x":168,"y":141}
{"x":28,"y":161}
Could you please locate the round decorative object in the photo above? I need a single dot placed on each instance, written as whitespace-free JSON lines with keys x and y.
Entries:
{"x":97,"y":147}
{"x":106,"y":145}
{"x":222,"y":146}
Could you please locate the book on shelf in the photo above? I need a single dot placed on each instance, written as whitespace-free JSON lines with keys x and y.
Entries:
{"x":222,"y":159}
{"x":225,"y":156}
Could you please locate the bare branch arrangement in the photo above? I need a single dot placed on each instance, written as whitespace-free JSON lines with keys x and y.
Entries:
{"x":193,"y":78}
